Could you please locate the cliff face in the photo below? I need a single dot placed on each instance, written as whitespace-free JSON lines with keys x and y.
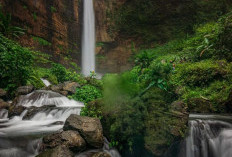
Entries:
{"x":54,"y":27}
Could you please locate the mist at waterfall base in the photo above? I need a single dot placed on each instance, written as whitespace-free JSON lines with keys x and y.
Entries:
{"x":88,"y":39}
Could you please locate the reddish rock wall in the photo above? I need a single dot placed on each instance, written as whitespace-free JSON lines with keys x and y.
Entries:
{"x":59,"y":23}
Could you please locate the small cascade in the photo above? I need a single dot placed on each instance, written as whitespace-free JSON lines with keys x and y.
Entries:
{"x":46,"y":82}
{"x":41,"y":98}
{"x":88,"y":39}
{"x":45,"y":112}
{"x":208,"y":137}
{"x":3,"y":115}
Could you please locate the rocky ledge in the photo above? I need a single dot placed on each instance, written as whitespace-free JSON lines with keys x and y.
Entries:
{"x":79,"y":134}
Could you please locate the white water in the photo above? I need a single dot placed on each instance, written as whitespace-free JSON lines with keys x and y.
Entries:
{"x":46,"y":82}
{"x":20,"y":135}
{"x":41,"y":98}
{"x":88,"y":39}
{"x":209,"y":138}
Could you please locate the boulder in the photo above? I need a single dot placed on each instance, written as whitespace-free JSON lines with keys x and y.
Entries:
{"x":16,"y":110}
{"x":89,"y":128}
{"x":4,"y":105}
{"x":57,"y":88}
{"x":70,"y":139}
{"x":60,"y":151}
{"x":3,"y":93}
{"x":179,"y":106}
{"x":64,"y":93}
{"x":100,"y":154}
{"x":70,"y":87}
{"x":24,"y":90}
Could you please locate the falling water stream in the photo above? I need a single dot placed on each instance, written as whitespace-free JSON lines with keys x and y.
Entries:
{"x":88,"y":39}
{"x":209,"y":136}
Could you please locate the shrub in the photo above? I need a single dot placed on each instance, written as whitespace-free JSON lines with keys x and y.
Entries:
{"x":6,"y":27}
{"x":87,"y":93}
{"x":197,"y":74}
{"x":15,"y":64}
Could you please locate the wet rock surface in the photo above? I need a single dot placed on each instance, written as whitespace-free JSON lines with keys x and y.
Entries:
{"x":89,"y":128}
{"x":24,"y":90}
{"x":70,"y":87}
{"x":59,"y":151}
{"x":69,"y":139}
{"x":16,"y":110}
{"x":4,"y":105}
{"x":80,"y":134}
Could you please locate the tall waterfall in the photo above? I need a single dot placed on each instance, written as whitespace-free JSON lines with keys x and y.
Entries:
{"x":88,"y":40}
{"x":209,"y":136}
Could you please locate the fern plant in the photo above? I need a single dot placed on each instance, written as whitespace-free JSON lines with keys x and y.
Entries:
{"x":6,"y":27}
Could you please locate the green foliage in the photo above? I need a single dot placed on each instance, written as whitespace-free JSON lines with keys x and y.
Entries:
{"x":59,"y":71}
{"x":64,"y":74}
{"x":41,"y":41}
{"x":53,"y":9}
{"x":6,"y":27}
{"x":34,"y":16}
{"x":164,"y":20}
{"x":15,"y":64}
{"x":198,"y":73}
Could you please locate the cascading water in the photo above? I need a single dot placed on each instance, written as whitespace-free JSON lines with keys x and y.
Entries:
{"x":46,"y":112}
{"x":88,"y":40}
{"x":209,"y":136}
{"x":45,"y":82}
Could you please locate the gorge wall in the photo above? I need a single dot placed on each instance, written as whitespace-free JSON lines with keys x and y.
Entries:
{"x":55,"y":27}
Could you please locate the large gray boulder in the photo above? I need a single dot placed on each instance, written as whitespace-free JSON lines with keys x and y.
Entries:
{"x":70,"y":87}
{"x":59,"y":151}
{"x":4,"y":105}
{"x":70,"y":139}
{"x":57,"y":88}
{"x":16,"y":110}
{"x":89,"y":128}
{"x":24,"y":90}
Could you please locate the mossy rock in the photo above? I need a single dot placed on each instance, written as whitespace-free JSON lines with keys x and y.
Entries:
{"x":199,"y":105}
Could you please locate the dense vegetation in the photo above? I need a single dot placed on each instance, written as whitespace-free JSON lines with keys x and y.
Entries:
{"x":195,"y":71}
{"x":143,"y":111}
{"x":162,"y":20}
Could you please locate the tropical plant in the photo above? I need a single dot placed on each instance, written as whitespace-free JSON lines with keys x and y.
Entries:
{"x":6,"y":27}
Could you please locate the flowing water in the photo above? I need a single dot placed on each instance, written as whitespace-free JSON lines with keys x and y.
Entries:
{"x":209,"y":136}
{"x":88,"y":39}
{"x":45,"y":112}
{"x":46,"y":82}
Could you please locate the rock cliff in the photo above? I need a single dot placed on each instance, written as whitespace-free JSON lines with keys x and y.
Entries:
{"x":55,"y":27}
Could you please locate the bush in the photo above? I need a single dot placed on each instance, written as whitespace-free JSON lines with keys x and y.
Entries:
{"x":198,"y":74}
{"x":15,"y":64}
{"x":87,"y":93}
{"x":64,"y":74}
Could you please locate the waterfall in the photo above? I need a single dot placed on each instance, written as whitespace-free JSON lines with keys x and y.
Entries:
{"x":88,"y":40}
{"x":44,"y":112}
{"x":209,"y":136}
